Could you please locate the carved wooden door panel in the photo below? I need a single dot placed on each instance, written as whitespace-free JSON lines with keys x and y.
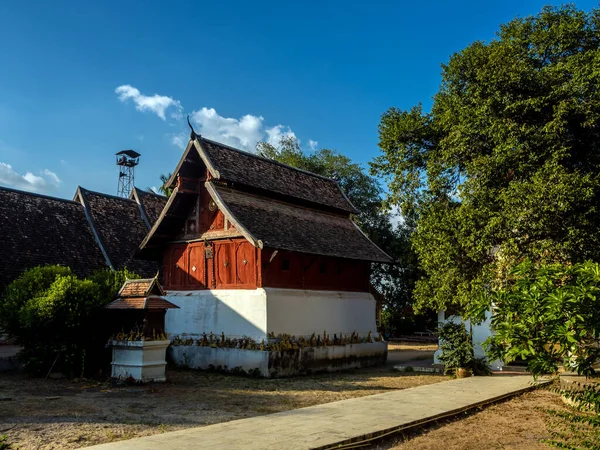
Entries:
{"x":179,"y":265}
{"x":196,"y":267}
{"x":246,"y":264}
{"x":225,"y":264}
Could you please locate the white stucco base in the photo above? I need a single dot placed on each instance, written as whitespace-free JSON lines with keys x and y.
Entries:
{"x":254,"y":313}
{"x":140,"y":360}
{"x":480,"y":333}
{"x":280,"y":363}
{"x":225,"y":359}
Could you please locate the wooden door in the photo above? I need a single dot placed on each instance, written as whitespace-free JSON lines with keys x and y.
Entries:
{"x":179,"y":265}
{"x":245,"y":264}
{"x":225,"y":264}
{"x":196,"y":267}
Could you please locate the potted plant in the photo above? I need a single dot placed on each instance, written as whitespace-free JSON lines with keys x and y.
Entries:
{"x":456,"y":349}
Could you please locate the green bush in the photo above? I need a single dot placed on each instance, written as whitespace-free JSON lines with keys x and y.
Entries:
{"x":110,"y":281}
{"x":455,"y":345}
{"x":30,"y":284}
{"x":548,"y":315}
{"x":57,"y":317}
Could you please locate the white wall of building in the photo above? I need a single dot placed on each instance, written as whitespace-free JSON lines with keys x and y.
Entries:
{"x":480,"y":333}
{"x":301,"y":312}
{"x":235,"y":312}
{"x":254,"y":313}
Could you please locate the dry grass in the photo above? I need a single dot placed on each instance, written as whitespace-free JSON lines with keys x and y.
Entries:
{"x":53,"y":414}
{"x":518,"y":423}
{"x":412,"y":346}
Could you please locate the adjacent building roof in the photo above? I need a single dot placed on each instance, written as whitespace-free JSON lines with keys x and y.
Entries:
{"x":36,"y":230}
{"x":151,"y":204}
{"x":119,"y":227}
{"x":92,"y":232}
{"x":270,"y":204}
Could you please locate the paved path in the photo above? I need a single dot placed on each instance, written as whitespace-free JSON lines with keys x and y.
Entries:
{"x":322,"y":426}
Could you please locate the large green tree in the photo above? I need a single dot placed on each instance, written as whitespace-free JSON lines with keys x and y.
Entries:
{"x":506,"y":165}
{"x":395,"y":282}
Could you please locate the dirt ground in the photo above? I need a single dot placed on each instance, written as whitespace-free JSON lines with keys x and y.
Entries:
{"x":62,"y":414}
{"x":518,"y":423}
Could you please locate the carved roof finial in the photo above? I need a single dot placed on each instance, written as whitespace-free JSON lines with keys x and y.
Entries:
{"x":193,"y":134}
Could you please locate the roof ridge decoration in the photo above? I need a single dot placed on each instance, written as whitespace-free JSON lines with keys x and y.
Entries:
{"x":102,"y":194}
{"x":136,"y":197}
{"x":80,"y":193}
{"x":35,"y":194}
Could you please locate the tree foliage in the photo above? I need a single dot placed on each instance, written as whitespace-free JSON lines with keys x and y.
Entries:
{"x":506,"y":165}
{"x":395,"y":282}
{"x":163,"y":188}
{"x":549,"y":316}
{"x":56,"y":316}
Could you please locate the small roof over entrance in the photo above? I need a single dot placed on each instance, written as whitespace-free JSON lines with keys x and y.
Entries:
{"x":144,"y":293}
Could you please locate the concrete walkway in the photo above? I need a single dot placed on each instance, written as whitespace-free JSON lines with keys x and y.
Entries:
{"x":331,"y":424}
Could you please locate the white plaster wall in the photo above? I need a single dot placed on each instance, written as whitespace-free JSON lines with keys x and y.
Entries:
{"x":480,"y":333}
{"x":235,"y":312}
{"x":301,"y":313}
{"x":195,"y":357}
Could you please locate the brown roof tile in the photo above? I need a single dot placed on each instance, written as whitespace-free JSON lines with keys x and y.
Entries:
{"x":272,"y":177}
{"x":289,"y":227}
{"x":141,"y":303}
{"x":152,"y":203}
{"x":120,"y":227}
{"x":141,"y":287}
{"x":38,"y":230}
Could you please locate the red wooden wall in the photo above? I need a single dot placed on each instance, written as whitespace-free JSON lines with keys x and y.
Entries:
{"x":237,"y":264}
{"x":226,"y":264}
{"x":300,"y":271}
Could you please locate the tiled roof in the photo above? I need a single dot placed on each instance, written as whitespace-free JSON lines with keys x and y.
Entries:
{"x":141,"y":303}
{"x":152,"y":203}
{"x":271,"y":177}
{"x":290,"y":227}
{"x":120,"y":228}
{"x":38,"y":230}
{"x":141,"y":288}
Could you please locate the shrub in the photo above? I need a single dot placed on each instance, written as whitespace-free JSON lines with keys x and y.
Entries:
{"x":30,"y":284}
{"x":455,"y":345}
{"x":110,"y":281}
{"x":57,"y":317}
{"x":548,"y":315}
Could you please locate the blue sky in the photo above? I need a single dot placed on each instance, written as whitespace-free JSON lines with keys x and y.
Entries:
{"x":80,"y":81}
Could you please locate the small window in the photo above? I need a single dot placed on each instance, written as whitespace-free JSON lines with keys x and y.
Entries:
{"x":285,"y":264}
{"x":322,"y":267}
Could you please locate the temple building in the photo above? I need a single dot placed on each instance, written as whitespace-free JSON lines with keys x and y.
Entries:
{"x":249,"y":246}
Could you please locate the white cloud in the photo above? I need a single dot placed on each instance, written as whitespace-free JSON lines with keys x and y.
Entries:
{"x":242,"y":133}
{"x":312,"y":144}
{"x":46,"y":182}
{"x":278,"y":132}
{"x":157,"y":104}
